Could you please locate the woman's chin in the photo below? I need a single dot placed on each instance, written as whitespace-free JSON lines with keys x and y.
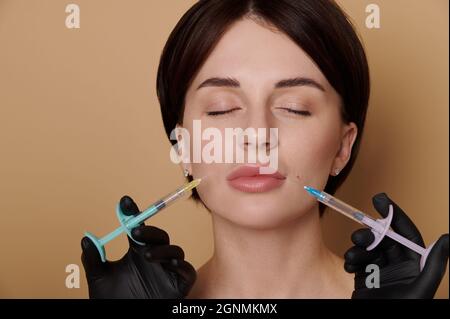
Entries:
{"x":258,"y":220}
{"x":259,"y":216}
{"x":260,"y":211}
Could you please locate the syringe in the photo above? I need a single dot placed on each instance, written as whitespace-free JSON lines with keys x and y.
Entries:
{"x":379,"y":227}
{"x":127,"y":223}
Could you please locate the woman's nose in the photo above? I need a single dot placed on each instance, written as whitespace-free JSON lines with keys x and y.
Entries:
{"x":259,"y":138}
{"x":259,"y":134}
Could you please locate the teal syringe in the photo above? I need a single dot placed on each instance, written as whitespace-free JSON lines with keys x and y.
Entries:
{"x":127,"y":223}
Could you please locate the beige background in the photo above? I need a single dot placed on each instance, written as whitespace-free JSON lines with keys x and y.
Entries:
{"x":80,"y":127}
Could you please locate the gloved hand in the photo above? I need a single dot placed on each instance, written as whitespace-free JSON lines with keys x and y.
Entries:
{"x":400,"y":275}
{"x":156,"y":270}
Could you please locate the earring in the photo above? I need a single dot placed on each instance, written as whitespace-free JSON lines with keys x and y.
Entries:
{"x":337,"y":171}
{"x":186,"y":172}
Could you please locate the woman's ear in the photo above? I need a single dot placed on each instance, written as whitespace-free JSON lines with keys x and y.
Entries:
{"x":349,"y":134}
{"x":183,"y":149}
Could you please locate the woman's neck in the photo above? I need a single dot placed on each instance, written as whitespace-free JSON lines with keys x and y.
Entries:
{"x":289,"y":261}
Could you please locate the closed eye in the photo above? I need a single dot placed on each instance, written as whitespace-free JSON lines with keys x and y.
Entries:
{"x":299,"y":112}
{"x":216,"y":113}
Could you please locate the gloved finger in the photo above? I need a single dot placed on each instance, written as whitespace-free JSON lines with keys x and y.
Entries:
{"x":163,"y":253}
{"x":380,"y":261}
{"x":392,"y":251}
{"x":401,"y":223}
{"x":353,"y":268}
{"x":186,"y":271}
{"x":92,"y":262}
{"x":357,"y":255}
{"x":128,"y":206}
{"x":429,"y":279}
{"x":362,"y":237}
{"x":357,"y":258}
{"x":150,"y":235}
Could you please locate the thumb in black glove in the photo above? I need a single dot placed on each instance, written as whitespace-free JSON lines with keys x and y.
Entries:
{"x":155,"y":270}
{"x":400,"y":275}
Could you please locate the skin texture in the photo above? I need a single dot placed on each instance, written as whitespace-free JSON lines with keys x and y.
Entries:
{"x":269,"y":245}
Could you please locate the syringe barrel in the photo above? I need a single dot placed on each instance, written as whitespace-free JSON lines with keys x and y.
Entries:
{"x":116,"y":232}
{"x":156,"y":207}
{"x":343,"y":208}
{"x":172,"y":197}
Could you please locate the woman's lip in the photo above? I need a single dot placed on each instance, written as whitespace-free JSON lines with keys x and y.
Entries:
{"x":255,"y":184}
{"x":248,"y":179}
{"x":252,"y":171}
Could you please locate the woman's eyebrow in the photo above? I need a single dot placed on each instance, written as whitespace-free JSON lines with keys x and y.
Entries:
{"x":232,"y":82}
{"x":299,"y":81}
{"x":220,"y":82}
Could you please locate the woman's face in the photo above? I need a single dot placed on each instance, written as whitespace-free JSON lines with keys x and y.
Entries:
{"x":312,"y":139}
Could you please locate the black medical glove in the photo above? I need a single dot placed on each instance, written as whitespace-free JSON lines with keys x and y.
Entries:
{"x":156,"y":270}
{"x":400,"y":275}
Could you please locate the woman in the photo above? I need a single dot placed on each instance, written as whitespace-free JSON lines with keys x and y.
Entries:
{"x":299,"y":67}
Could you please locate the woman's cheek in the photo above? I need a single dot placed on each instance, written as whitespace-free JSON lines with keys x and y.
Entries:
{"x":204,"y":162}
{"x":308,"y":153}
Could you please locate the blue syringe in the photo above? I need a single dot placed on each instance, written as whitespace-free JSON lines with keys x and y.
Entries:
{"x":379,"y":227}
{"x":127,"y":223}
